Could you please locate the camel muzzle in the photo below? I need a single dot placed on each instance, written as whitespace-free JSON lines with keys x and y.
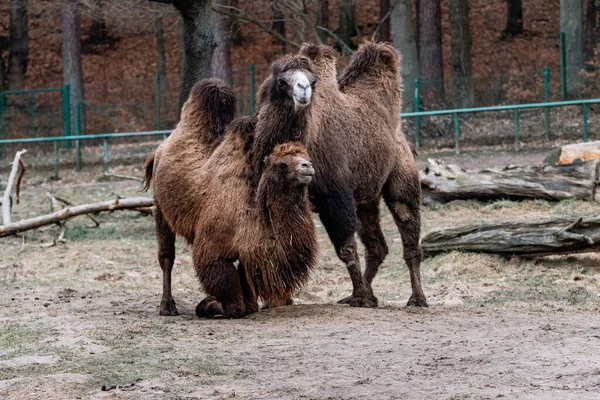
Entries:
{"x":306,"y":173}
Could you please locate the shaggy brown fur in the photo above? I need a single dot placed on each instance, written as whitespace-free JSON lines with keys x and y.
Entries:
{"x":360,"y":155}
{"x":202,"y":195}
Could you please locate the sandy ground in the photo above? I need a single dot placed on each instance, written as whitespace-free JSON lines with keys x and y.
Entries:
{"x":83,"y":314}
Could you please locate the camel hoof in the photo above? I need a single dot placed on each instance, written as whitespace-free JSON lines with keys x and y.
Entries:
{"x":209,"y":307}
{"x":168,"y":308}
{"x":364,"y":302}
{"x":233,"y":311}
{"x":416,"y":302}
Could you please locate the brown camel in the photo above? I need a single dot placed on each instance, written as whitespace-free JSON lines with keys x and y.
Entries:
{"x":360,"y":155}
{"x":201,"y":189}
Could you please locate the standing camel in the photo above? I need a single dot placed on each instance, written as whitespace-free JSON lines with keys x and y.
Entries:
{"x":360,"y":156}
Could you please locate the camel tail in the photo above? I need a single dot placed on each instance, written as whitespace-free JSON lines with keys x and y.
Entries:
{"x":148,"y":168}
{"x":211,"y":105}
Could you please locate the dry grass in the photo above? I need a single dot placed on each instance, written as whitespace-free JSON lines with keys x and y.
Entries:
{"x":80,"y":315}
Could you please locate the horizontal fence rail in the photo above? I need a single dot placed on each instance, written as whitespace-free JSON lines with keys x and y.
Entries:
{"x":515,"y":108}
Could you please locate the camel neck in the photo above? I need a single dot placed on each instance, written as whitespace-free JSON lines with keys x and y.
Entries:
{"x":283,"y":210}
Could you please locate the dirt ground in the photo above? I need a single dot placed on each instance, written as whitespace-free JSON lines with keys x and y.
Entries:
{"x":82,"y":314}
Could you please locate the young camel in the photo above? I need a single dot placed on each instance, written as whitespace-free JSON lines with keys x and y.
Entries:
{"x":201,"y":193}
{"x":360,"y":155}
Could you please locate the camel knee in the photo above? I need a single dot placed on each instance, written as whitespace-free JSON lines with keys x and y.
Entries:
{"x":347,"y":253}
{"x":413,"y":253}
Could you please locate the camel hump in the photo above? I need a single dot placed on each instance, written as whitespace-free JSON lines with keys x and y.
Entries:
{"x":244,"y":127}
{"x":371,"y":57}
{"x":211,"y":104}
{"x":317,"y":51}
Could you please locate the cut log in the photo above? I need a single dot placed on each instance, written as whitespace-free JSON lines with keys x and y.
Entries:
{"x":575,"y":181}
{"x":572,"y":153}
{"x":556,"y":236}
{"x":70,"y":212}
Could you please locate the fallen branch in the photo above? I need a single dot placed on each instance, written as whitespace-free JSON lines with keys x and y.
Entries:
{"x":528,"y":239}
{"x":54,"y":198}
{"x":133,"y":178}
{"x":21,"y":173}
{"x":73,"y":211}
{"x":547,"y":182}
{"x":11,"y":179}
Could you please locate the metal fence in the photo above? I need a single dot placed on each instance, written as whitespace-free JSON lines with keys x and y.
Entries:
{"x":516,"y":109}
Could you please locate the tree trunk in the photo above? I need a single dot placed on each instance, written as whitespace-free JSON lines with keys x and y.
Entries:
{"x":533,"y":239}
{"x":574,"y":153}
{"x":463,"y":93}
{"x":385,"y":30}
{"x":18,"y":51}
{"x":430,"y":52}
{"x":161,"y":59}
{"x":323,"y":19}
{"x":571,"y":15}
{"x":591,"y":18}
{"x":2,"y":77}
{"x":71,"y":54}
{"x":347,"y":27}
{"x":98,"y":32}
{"x":198,"y":43}
{"x":221,"y":61}
{"x":575,"y":181}
{"x":278,"y":24}
{"x":403,"y":30}
{"x":514,"y":19}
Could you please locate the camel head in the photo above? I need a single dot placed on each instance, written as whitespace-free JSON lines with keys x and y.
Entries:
{"x":289,"y":166}
{"x":292,"y":81}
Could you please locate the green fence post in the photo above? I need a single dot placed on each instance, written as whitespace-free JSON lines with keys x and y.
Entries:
{"x":32,"y":111}
{"x":105,"y":149}
{"x":456,"y":134}
{"x":252,"y":94}
{"x":56,"y":159}
{"x":417,"y":118}
{"x":585,"y":122}
{"x":77,"y":134}
{"x":66,"y":105}
{"x":158,"y":93}
{"x":516,"y":129}
{"x":547,"y":99}
{"x":1,"y":124}
{"x":563,"y":64}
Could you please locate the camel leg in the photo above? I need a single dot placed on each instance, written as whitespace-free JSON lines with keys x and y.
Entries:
{"x":166,"y":258}
{"x":339,"y":218}
{"x":221,"y":281}
{"x":372,"y":237}
{"x":248,"y":290}
{"x":403,"y":197}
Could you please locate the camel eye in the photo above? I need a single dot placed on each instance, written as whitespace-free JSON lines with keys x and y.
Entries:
{"x":281,"y":83}
{"x":282,"y":165}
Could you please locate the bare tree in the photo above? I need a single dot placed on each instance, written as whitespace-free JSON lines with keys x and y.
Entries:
{"x":514,"y":19}
{"x":71,"y":53}
{"x":430,"y":50}
{"x":323,"y":19}
{"x":278,"y":23}
{"x":405,"y":40}
{"x":18,"y":44}
{"x":591,"y":19}
{"x":198,"y":42}
{"x":571,"y":16}
{"x":161,"y":59}
{"x":385,"y":29}
{"x":463,"y":93}
{"x":347,"y":27}
{"x":98,"y":32}
{"x":221,"y":60}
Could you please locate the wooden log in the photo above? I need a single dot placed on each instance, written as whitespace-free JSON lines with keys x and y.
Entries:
{"x":555,"y":236}
{"x":6,"y":200}
{"x":72,"y":211}
{"x":575,"y":181}
{"x":572,"y":153}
